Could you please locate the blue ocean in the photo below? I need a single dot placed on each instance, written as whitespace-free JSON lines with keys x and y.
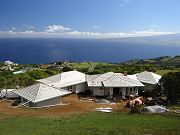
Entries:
{"x":45,"y":50}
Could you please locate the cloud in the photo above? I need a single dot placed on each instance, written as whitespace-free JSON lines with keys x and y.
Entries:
{"x":56,"y":28}
{"x":13,"y":29}
{"x":29,"y":27}
{"x":95,"y":27}
{"x":154,"y":26}
{"x":124,"y":3}
{"x":61,"y":31}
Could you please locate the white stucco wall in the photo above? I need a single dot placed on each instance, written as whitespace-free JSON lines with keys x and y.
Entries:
{"x":81,"y":87}
{"x":53,"y":101}
{"x":100,"y":91}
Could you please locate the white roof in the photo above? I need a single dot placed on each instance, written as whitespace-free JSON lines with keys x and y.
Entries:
{"x":91,"y":77}
{"x":148,"y":77}
{"x":133,"y":77}
{"x":40,"y":92}
{"x":64,"y":79}
{"x":111,"y":79}
{"x":8,"y":62}
{"x":156,"y":77}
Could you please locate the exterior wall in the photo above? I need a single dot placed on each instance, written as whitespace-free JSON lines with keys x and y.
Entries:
{"x":111,"y":92}
{"x":123,"y":90}
{"x":77,"y":88}
{"x":97,"y":91}
{"x":8,"y":93}
{"x":53,"y":101}
{"x":100,"y":91}
{"x":81,"y":87}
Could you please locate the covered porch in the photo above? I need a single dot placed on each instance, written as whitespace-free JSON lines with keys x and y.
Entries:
{"x":114,"y":91}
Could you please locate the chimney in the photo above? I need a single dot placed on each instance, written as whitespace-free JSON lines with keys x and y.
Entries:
{"x":125,"y":73}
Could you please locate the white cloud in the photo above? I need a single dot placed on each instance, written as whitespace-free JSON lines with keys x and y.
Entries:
{"x":124,"y":3}
{"x":56,"y":28}
{"x":29,"y":27}
{"x":61,"y":31}
{"x":95,"y":27}
{"x":13,"y":28}
{"x":154,"y":26}
{"x":150,"y":33}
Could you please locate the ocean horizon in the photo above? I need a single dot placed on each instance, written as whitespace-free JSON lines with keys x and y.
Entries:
{"x":46,"y":50}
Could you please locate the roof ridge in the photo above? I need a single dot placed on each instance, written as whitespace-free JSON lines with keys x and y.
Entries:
{"x":109,"y":77}
{"x":38,"y":91}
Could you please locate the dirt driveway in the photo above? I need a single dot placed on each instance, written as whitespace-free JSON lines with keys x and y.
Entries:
{"x":75,"y":105}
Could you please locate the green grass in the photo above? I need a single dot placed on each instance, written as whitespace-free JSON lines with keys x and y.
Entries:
{"x":162,"y":72}
{"x":92,"y":124}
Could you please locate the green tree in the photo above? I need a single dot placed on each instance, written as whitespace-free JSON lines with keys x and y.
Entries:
{"x":67,"y":68}
{"x":38,"y":74}
{"x":171,"y":86}
{"x":25,"y":80}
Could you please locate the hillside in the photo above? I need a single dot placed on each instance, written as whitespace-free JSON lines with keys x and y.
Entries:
{"x":170,"y":39}
{"x":32,"y":72}
{"x":160,"y":61}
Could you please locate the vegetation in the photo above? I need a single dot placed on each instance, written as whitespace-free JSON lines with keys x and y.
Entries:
{"x":10,"y":80}
{"x":165,"y":61}
{"x":161,"y":65}
{"x":97,"y":123}
{"x":136,"y":109}
{"x":92,"y":124}
{"x":163,"y":72}
{"x":171,"y":86}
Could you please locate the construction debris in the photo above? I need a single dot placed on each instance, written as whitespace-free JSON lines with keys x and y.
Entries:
{"x":156,"y":109}
{"x":104,"y":109}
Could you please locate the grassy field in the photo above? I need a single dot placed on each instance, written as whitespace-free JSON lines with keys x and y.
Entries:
{"x":92,"y":124}
{"x":162,"y":72}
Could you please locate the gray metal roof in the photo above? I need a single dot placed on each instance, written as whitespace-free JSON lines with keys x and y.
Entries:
{"x":64,"y":79}
{"x":91,"y":77}
{"x":111,"y":79}
{"x":148,"y":77}
{"x":40,"y":92}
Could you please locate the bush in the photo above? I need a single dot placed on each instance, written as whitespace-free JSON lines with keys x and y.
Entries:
{"x":136,"y":110}
{"x":67,"y":68}
{"x":38,"y":74}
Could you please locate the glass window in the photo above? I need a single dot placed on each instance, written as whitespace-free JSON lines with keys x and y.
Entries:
{"x":70,"y":87}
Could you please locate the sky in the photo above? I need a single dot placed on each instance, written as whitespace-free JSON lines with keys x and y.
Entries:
{"x":88,"y":18}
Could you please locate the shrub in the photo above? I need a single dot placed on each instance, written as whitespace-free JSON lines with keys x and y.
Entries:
{"x":136,"y":110}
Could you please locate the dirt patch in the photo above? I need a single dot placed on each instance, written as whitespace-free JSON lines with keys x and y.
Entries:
{"x":75,"y":105}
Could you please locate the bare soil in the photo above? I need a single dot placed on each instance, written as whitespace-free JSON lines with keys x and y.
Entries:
{"x":75,"y":105}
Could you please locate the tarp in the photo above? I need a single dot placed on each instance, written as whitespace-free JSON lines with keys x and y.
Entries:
{"x":156,"y":109}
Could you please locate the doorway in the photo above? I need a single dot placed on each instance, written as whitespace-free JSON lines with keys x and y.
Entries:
{"x":116,"y":92}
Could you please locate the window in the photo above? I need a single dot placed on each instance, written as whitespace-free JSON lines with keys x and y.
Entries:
{"x":70,"y":88}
